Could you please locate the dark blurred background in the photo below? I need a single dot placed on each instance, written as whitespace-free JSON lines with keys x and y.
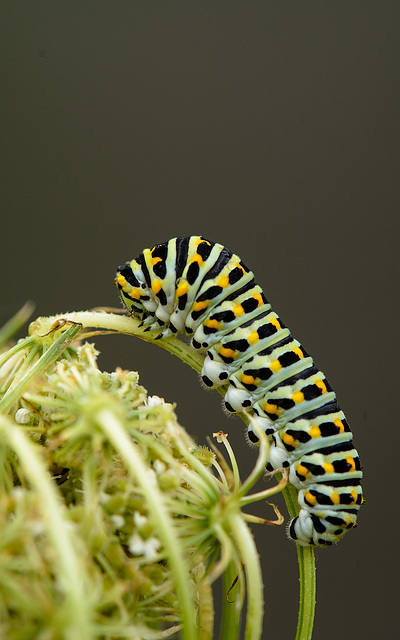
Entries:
{"x":270,"y":127}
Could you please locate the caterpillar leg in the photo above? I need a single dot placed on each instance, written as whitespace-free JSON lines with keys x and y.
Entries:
{"x":326,"y":514}
{"x":214,"y":374}
{"x":308,"y":529}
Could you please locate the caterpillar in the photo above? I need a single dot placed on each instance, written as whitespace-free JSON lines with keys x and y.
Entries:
{"x":192,"y":286}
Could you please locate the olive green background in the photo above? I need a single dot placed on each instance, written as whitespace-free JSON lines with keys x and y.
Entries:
{"x":271,"y":127}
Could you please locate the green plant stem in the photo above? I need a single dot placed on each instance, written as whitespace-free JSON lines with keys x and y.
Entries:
{"x":128,"y":451}
{"x":40,"y":367}
{"x":77,"y":622}
{"x":8,"y":330}
{"x":114,"y":323}
{"x":206,"y":607}
{"x":248,"y":551}
{"x":21,"y":345}
{"x":307,"y":574}
{"x":230,"y":624}
{"x":307,"y":592}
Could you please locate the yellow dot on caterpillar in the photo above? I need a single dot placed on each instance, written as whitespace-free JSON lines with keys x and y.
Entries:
{"x":223,"y":282}
{"x":253,"y":338}
{"x":338,"y":423}
{"x":272,"y":408}
{"x":197,"y":258}
{"x":238,"y":310}
{"x":298,"y":397}
{"x":198,"y":241}
{"x":121,"y":280}
{"x":182,"y":289}
{"x":246,"y":379}
{"x":134,"y":293}
{"x":302,"y":470}
{"x":321,"y":384}
{"x":351,"y":463}
{"x":156,"y":286}
{"x":335,"y":497}
{"x":227,"y":353}
{"x":298,"y":352}
{"x":315,"y":431}
{"x":199,"y":306}
{"x":289,"y":440}
{"x":258,"y":297}
{"x":328,"y":467}
{"x":275,"y":322}
{"x":275,"y":366}
{"x":156,"y":260}
{"x":213,"y":324}
{"x":310,"y":498}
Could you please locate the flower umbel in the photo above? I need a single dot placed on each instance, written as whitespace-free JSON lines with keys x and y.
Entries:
{"x":94,"y":470}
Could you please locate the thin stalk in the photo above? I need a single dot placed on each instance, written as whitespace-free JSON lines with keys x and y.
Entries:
{"x":307,"y":592}
{"x":206,"y":606}
{"x":307,"y":574}
{"x":259,"y":467}
{"x":27,"y":362}
{"x":231,"y":614}
{"x":232,"y":458}
{"x":26,"y":343}
{"x":78,"y":622}
{"x":40,"y":367}
{"x":266,"y":493}
{"x":8,"y":330}
{"x":123,"y":444}
{"x":201,"y":479}
{"x":248,"y":551}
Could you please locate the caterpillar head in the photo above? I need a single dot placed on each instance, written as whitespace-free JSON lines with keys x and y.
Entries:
{"x":134,"y":291}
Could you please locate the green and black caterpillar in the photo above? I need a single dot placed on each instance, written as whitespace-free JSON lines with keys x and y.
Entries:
{"x":199,"y":288}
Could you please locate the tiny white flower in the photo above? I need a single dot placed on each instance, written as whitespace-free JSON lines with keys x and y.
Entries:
{"x":139,"y":519}
{"x":159,"y":466}
{"x":152,"y":545}
{"x":37,"y":528}
{"x":155,"y":401}
{"x":118,"y":520}
{"x":18,"y":493}
{"x":147,"y":548}
{"x":152,"y":477}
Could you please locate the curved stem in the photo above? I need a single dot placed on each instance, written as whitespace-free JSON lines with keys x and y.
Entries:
{"x":128,"y":325}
